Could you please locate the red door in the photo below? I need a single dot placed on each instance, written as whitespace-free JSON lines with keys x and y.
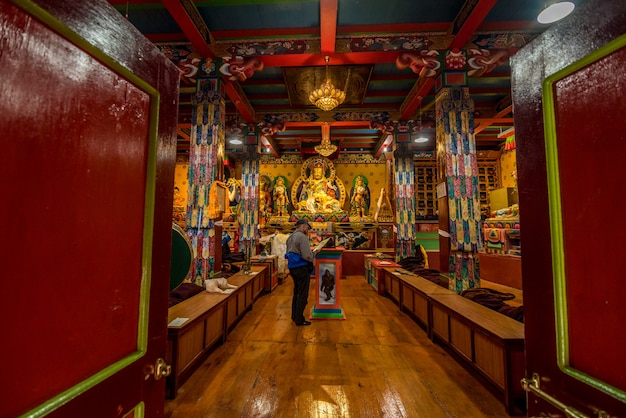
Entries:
{"x":88,"y":113}
{"x":569,"y":101}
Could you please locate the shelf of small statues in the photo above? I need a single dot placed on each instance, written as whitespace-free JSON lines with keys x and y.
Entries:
{"x":320,"y":217}
{"x":355,"y":226}
{"x":279,"y":222}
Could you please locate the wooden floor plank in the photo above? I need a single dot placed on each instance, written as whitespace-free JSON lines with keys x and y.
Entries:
{"x":376,"y":363}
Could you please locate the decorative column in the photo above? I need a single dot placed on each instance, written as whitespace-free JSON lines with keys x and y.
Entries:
{"x":456,"y":154}
{"x":205,"y":166}
{"x":249,"y":208}
{"x":404,"y":188}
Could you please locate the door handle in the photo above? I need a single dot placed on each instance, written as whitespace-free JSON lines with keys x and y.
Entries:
{"x":532,"y":385}
{"x":159,"y":370}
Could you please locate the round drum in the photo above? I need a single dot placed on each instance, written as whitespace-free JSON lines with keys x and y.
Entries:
{"x":181,"y":256}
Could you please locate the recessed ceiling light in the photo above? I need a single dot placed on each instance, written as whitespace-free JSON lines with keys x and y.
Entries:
{"x":420,"y":139}
{"x":555,"y":11}
{"x":235,"y":141}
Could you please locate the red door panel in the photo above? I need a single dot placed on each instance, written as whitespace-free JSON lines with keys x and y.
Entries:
{"x":585,"y":195}
{"x":568,"y":96}
{"x":81,"y":154}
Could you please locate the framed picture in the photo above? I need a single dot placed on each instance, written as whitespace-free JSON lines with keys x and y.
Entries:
{"x":328,"y":274}
{"x":221,"y":195}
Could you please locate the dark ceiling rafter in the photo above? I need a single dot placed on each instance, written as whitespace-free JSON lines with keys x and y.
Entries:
{"x":206,"y":30}
{"x":467,"y":21}
{"x":189,"y":20}
{"x":186,"y":15}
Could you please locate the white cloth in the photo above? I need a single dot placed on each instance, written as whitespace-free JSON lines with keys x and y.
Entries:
{"x":279,"y":248}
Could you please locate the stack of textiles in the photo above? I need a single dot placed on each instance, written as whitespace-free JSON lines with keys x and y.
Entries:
{"x":182,"y":292}
{"x":416,"y":265}
{"x":495,"y":300}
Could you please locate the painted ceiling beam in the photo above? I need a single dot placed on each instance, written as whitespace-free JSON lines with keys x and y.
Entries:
{"x":190,"y":21}
{"x":355,"y":123}
{"x":468,"y":19}
{"x":385,"y":140}
{"x":268,"y":142}
{"x":181,"y":130}
{"x":420,"y":89}
{"x":328,"y":25}
{"x":186,"y":15}
{"x":315,"y":60}
{"x":485,"y":123}
{"x":238,"y":98}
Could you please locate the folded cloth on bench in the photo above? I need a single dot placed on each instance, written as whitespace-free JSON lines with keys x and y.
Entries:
{"x":494,"y":300}
{"x":183,"y":291}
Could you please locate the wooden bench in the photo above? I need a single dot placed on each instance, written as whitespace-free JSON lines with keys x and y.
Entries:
{"x":198,"y":324}
{"x":487,"y":342}
{"x":411,"y":293}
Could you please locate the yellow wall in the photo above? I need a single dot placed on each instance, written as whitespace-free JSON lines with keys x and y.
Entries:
{"x":345,"y":171}
{"x":508,"y":164}
{"x":180,"y":180}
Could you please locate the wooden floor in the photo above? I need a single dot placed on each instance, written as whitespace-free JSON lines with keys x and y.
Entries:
{"x":376,"y":363}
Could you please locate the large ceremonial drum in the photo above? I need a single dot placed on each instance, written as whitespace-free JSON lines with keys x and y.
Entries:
{"x":181,"y":257}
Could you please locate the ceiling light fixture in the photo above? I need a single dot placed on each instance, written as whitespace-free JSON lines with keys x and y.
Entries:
{"x":325,"y":148}
{"x":555,"y":11}
{"x":327,"y":97}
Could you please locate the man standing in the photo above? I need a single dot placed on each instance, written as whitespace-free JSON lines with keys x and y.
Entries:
{"x":300,"y":263}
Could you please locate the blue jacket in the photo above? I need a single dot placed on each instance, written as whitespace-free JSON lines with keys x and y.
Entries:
{"x":299,"y":252}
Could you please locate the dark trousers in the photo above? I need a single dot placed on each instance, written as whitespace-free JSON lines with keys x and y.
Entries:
{"x":301,"y":280}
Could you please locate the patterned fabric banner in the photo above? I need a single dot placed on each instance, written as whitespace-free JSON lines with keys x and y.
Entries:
{"x":464,"y":271}
{"x":249,"y":210}
{"x":207,"y":138}
{"x":456,"y":146}
{"x":404,"y":179}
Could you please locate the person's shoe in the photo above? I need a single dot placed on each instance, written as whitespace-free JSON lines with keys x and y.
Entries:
{"x":303,"y":323}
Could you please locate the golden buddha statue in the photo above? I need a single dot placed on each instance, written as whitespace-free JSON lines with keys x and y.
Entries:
{"x":320,"y":191}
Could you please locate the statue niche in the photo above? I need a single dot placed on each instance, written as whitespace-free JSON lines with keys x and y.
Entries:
{"x":360,"y":198}
{"x":318,"y":191}
{"x":281,"y":196}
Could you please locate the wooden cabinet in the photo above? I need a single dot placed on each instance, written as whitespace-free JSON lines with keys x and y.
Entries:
{"x":195,"y":326}
{"x":491,"y":343}
{"x":249,"y":288}
{"x":392,"y":286}
{"x":488,"y":177}
{"x":488,"y":342}
{"x":374,"y":271}
{"x":271,"y":278}
{"x":426,"y":189}
{"x":426,"y":179}
{"x":414,"y":294}
{"x":201,"y":322}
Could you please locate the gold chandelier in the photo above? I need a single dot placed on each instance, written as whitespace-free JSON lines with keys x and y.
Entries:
{"x":327,"y":97}
{"x":325,"y":148}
